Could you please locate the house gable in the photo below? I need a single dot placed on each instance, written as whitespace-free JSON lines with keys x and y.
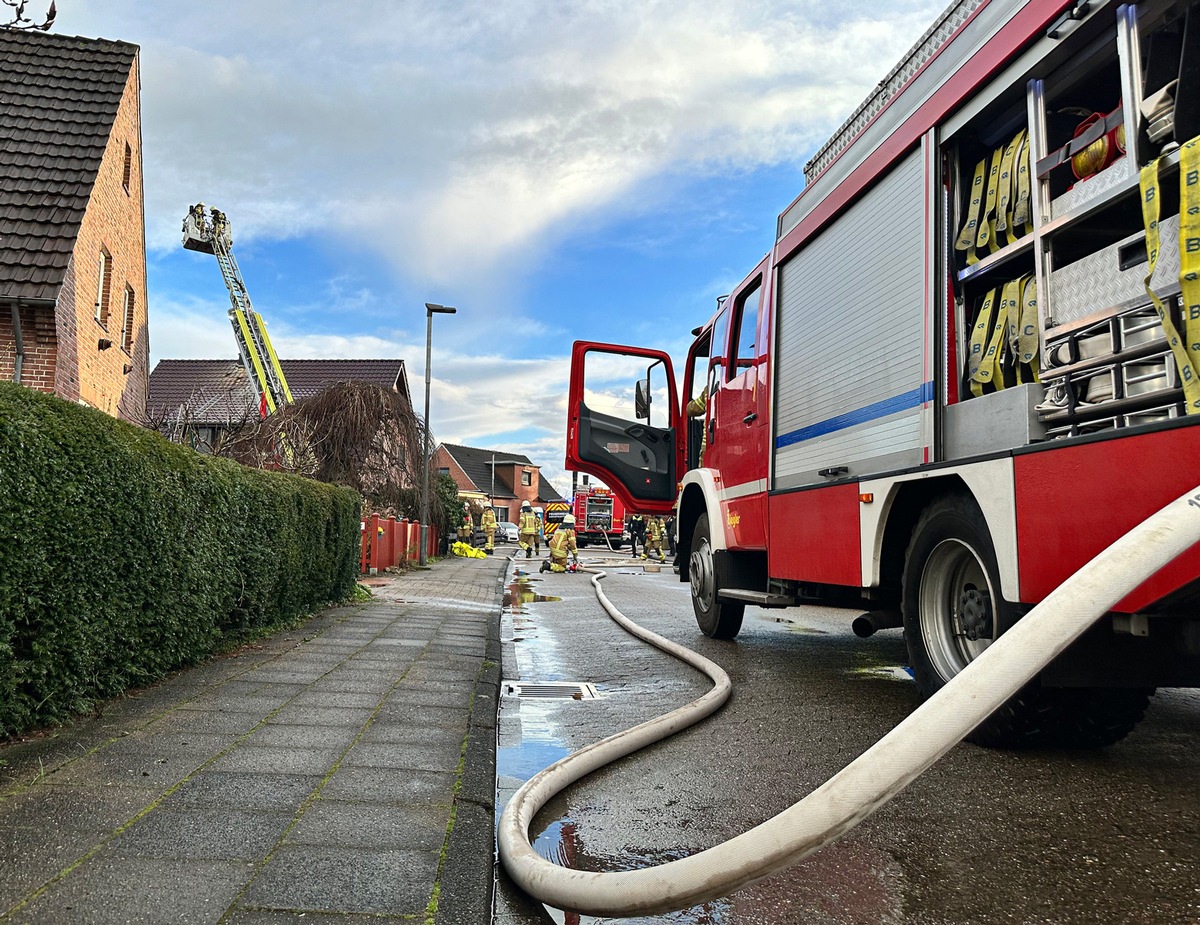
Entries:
{"x":70,"y":190}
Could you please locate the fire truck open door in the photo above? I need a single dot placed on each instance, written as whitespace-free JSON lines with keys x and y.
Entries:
{"x":621,"y":422}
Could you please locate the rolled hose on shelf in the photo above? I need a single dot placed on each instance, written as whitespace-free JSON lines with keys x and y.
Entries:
{"x":864,"y":785}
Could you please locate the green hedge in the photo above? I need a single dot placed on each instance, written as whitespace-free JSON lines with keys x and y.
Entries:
{"x":124,"y":557}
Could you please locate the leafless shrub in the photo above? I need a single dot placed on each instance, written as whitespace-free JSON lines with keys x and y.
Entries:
{"x":356,"y":434}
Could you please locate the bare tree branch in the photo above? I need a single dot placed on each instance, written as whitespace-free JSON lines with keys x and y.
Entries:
{"x":21,"y":21}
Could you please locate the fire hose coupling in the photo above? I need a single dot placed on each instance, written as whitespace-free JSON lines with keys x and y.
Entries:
{"x":868,"y":782}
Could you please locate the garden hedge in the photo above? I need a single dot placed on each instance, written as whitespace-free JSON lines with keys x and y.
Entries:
{"x":124,"y":557}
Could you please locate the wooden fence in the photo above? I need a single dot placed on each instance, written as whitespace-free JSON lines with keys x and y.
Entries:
{"x":386,"y":542}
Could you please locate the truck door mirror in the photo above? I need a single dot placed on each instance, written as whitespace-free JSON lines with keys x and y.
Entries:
{"x":641,"y":399}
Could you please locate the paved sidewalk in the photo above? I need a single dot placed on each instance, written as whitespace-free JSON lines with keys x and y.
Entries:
{"x":340,"y":772}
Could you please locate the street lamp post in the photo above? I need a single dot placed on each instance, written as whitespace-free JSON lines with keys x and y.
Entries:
{"x":430,"y":310}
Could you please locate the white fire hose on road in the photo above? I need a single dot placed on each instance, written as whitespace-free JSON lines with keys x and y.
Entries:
{"x":861,"y":787}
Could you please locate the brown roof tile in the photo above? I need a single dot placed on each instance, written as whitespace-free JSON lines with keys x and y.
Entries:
{"x":217,"y":391}
{"x":58,"y":98}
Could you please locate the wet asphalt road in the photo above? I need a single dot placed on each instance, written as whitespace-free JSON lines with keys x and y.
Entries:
{"x":983,"y":837}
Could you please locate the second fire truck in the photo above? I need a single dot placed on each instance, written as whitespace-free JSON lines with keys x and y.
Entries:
{"x":599,"y":517}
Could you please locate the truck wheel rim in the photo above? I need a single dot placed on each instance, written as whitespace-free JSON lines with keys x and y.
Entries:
{"x":953,"y":581}
{"x":700,"y":567}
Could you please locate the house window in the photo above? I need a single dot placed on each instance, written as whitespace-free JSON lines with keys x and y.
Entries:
{"x":127,"y":329}
{"x":443,"y":470}
{"x":104,"y":287}
{"x":127,"y":170}
{"x":526,"y":477}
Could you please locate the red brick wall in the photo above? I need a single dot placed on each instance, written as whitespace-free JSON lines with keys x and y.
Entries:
{"x":39,"y":345}
{"x":66,"y":373}
{"x":115,"y":380}
{"x":443,"y":460}
{"x":523,"y":492}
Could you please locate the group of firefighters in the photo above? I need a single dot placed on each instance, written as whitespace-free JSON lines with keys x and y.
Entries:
{"x":561,"y":543}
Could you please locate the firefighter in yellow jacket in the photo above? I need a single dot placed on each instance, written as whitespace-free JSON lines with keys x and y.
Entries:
{"x":561,"y":542}
{"x":488,"y":523}
{"x":654,"y":538}
{"x":527,"y":527}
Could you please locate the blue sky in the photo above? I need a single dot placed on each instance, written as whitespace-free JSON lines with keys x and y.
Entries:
{"x":579,"y":169}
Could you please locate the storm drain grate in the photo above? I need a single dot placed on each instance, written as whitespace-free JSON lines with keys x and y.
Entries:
{"x":550,"y":690}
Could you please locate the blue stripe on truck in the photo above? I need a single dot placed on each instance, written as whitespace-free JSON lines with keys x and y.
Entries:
{"x":879,"y":409}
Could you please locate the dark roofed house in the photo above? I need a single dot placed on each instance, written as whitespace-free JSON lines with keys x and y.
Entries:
{"x":72,"y":230}
{"x":506,"y":478}
{"x":208,"y":396}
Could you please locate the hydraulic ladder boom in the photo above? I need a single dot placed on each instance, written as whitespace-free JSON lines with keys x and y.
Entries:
{"x":210,"y":234}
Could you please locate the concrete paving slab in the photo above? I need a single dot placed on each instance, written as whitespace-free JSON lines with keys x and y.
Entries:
{"x":318,"y":879}
{"x":385,"y":786}
{"x":447,"y":717}
{"x":218,"y":721}
{"x":401,"y":730}
{"x":141,"y":760}
{"x":280,"y":735}
{"x":261,"y":917}
{"x":188,"y":832}
{"x":404,"y":757}
{"x":117,"y":891}
{"x":342,"y":824}
{"x":455,"y":696}
{"x":262,"y":792}
{"x":303,"y":714}
{"x":271,"y":760}
{"x":354,"y":684}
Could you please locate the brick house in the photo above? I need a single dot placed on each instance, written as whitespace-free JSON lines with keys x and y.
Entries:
{"x":72,"y":226}
{"x":507,"y":478}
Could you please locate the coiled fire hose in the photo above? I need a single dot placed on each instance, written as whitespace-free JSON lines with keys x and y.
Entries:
{"x":864,"y":785}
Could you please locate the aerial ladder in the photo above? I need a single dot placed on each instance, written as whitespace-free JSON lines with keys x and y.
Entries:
{"x":209,"y":233}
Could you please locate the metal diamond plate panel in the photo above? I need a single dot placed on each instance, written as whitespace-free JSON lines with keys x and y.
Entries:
{"x":1097,"y":282}
{"x":1120,"y":172}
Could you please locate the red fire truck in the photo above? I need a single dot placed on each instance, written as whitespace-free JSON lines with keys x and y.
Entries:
{"x":599,"y":517}
{"x":947,"y":386}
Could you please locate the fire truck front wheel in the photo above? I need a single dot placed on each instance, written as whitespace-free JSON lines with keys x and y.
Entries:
{"x":717,"y":618}
{"x":953,"y":610}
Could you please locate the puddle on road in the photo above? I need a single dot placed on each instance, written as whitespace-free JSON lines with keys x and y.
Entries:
{"x":561,"y":844}
{"x":520,"y":592}
{"x":526,"y":759}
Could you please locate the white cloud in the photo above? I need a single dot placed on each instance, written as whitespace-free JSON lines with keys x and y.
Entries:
{"x":458,"y":141}
{"x":449,"y":138}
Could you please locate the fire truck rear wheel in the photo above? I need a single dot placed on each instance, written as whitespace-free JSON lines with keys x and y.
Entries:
{"x":717,"y":618}
{"x":953,"y":610}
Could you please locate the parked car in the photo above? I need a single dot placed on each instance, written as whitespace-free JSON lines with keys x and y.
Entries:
{"x":507,"y":532}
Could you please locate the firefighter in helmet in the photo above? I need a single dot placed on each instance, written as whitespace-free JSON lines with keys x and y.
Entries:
{"x":488,"y":522}
{"x":527,"y":527}
{"x":637,"y":533}
{"x":654,"y":538}
{"x":468,"y":526}
{"x":561,"y":542}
